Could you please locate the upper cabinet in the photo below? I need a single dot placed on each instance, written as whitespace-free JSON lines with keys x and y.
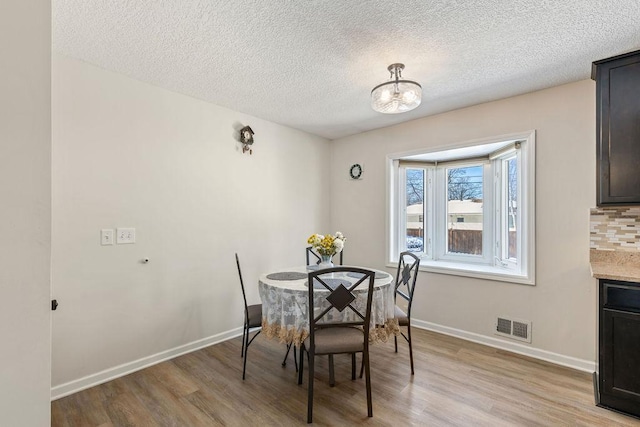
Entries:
{"x":618,"y":129}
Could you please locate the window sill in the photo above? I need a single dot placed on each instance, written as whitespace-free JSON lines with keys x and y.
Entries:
{"x":477,"y":271}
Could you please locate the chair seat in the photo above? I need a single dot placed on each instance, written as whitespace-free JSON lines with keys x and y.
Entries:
{"x":337,"y":340}
{"x":255,"y":315}
{"x":403,"y":319}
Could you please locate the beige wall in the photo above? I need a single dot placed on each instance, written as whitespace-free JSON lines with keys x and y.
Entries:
{"x":128,"y":154}
{"x":25,"y":216}
{"x":562,"y":304}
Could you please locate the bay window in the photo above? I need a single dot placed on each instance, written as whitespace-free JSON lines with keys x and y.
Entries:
{"x":467,"y":210}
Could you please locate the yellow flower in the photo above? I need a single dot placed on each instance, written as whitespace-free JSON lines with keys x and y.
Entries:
{"x":327,"y":244}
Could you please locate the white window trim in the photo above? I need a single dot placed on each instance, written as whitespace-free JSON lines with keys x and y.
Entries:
{"x":526,"y":218}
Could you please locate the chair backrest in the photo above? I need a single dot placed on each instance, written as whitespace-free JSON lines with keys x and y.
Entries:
{"x":341,"y":298}
{"x":244,"y":295}
{"x":315,"y":257}
{"x":406,"y":277}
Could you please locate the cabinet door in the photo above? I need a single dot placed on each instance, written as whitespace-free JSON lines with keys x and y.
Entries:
{"x":618,"y":137}
{"x":620,"y":361}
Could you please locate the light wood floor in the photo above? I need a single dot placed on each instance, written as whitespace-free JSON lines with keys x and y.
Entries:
{"x":457,"y":383}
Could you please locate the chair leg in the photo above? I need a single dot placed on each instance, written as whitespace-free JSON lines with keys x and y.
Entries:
{"x":245,"y":351}
{"x":367,"y":369}
{"x":310,"y":388}
{"x":332,"y":375}
{"x":302,"y":349}
{"x":410,"y":347}
{"x":244,"y":335}
{"x":362,"y":366}
{"x":295,"y":357}
{"x":395,"y":341}
{"x":353,"y":366}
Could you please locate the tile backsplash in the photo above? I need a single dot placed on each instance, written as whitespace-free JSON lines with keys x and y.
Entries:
{"x":615,"y":229}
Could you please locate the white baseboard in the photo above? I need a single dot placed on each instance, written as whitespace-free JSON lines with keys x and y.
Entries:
{"x":74,"y":386}
{"x":536,"y":353}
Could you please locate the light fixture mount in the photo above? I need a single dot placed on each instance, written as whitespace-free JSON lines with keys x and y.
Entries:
{"x":396,"y":95}
{"x":396,"y":68}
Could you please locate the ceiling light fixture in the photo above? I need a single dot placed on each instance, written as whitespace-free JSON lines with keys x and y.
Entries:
{"x":396,"y":95}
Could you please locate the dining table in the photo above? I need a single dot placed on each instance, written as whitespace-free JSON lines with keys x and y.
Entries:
{"x":285,"y":300}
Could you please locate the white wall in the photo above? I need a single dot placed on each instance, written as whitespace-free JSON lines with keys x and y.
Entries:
{"x":562,"y":304}
{"x":25,"y":215}
{"x":128,"y":154}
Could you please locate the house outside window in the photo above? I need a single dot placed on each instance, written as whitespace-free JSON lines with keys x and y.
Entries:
{"x":467,"y":210}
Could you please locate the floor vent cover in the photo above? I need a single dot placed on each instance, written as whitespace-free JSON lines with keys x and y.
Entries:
{"x":514,"y":328}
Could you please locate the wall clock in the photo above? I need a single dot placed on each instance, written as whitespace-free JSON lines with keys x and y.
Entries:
{"x":355,"y":172}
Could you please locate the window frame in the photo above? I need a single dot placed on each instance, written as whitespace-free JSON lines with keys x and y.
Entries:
{"x":492,"y":265}
{"x":501,"y":177}
{"x":427,"y":212}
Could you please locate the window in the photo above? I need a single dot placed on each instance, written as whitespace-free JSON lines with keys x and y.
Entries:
{"x":467,"y":210}
{"x":414,"y":212}
{"x":464,"y":197}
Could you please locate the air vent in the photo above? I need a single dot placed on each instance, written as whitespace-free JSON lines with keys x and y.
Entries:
{"x":514,"y":328}
{"x":520,"y":330}
{"x":504,"y":326}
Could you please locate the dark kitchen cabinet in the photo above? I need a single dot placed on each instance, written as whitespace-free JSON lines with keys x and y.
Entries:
{"x":619,"y":346}
{"x":618,"y":129}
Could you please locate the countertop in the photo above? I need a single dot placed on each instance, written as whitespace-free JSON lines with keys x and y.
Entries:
{"x":615,"y":265}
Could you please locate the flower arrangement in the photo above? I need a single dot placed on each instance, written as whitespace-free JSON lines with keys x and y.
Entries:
{"x":327,"y":245}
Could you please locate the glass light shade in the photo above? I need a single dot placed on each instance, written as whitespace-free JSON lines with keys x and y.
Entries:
{"x":396,"y":97}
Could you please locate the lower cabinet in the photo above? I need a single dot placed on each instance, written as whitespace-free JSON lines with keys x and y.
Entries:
{"x":619,"y":346}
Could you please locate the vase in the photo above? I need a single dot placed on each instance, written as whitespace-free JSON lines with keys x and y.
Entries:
{"x":325,"y":262}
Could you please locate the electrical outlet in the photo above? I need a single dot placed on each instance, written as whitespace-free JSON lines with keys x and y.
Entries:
{"x":106,"y":236}
{"x":126,"y":235}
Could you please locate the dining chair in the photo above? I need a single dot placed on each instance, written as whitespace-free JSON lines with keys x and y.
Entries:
{"x":404,"y":287}
{"x":334,"y":332}
{"x":252,"y":319}
{"x":313,"y":257}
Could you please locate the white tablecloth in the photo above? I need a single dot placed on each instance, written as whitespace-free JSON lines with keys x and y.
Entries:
{"x":285,"y":306}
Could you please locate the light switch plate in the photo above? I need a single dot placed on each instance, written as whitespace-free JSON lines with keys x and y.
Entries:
{"x":106,"y":236}
{"x":126,"y":235}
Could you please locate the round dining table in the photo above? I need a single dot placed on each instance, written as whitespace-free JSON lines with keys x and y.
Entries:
{"x":285,"y":300}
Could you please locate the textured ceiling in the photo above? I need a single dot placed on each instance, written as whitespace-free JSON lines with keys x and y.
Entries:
{"x":311,"y":65}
